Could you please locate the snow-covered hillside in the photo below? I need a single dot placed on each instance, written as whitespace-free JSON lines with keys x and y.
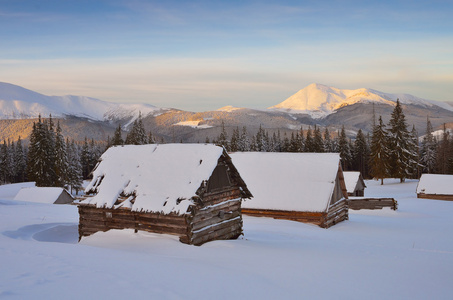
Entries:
{"x":382,"y":254}
{"x":319,"y":100}
{"x":18,"y":103}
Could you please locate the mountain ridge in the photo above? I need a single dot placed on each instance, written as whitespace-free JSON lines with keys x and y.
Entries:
{"x":319,"y":101}
{"x":17,"y":102}
{"x":173,"y":125}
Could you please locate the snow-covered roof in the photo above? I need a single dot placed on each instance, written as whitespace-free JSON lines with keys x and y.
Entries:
{"x":39,"y":194}
{"x":163,"y":178}
{"x":288,"y":181}
{"x":351,"y":178}
{"x":435,"y":184}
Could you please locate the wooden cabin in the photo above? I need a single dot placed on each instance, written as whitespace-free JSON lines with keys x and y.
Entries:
{"x":355,"y":185}
{"x":190,"y":190}
{"x":304,"y":187}
{"x":50,"y":195}
{"x":435,"y":186}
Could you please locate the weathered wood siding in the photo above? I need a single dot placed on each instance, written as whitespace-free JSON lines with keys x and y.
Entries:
{"x":299,"y":216}
{"x":372,"y":203}
{"x":219,"y":217}
{"x":337,"y":213}
{"x":435,"y":197}
{"x":92,"y":220}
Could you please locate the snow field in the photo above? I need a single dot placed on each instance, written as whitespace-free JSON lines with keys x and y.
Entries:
{"x":404,"y":254}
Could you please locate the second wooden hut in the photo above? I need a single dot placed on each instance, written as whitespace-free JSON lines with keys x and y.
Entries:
{"x":304,"y":187}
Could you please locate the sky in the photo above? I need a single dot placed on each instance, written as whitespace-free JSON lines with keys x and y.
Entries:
{"x":203,"y":55}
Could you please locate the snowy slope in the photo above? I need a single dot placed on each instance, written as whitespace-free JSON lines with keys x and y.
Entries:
{"x":384,"y":254}
{"x":319,"y":100}
{"x":17,"y":102}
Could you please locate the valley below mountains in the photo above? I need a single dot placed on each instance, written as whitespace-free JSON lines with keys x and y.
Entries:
{"x":316,"y":104}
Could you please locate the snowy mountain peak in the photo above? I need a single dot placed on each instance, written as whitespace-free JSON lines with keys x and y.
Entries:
{"x":17,"y":102}
{"x":319,"y":100}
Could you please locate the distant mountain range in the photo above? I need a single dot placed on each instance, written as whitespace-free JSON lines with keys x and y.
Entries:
{"x":319,"y":100}
{"x":19,"y":103}
{"x":316,"y":104}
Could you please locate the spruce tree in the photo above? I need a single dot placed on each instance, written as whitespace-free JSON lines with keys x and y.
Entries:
{"x":85,"y":159}
{"x":428,"y":149}
{"x":309,"y":144}
{"x":443,"y":152}
{"x":234,"y":142}
{"x":20,"y":162}
{"x":361,"y":154}
{"x":141,"y":137}
{"x":223,"y":138}
{"x":244,"y":142}
{"x":379,"y":152}
{"x":61,"y":161}
{"x":5,"y":168}
{"x":401,"y":154}
{"x":344,"y":149}
{"x":117,"y":139}
{"x":74,"y":172}
{"x":318,"y":144}
{"x":40,"y":167}
{"x":327,"y":141}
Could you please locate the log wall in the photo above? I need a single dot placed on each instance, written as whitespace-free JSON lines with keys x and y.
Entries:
{"x":436,"y":197}
{"x":216,"y":217}
{"x":372,"y":203}
{"x":337,"y":213}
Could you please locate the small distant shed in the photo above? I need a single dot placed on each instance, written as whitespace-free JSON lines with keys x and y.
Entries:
{"x":190,"y":190}
{"x":304,"y":187}
{"x":51,"y":195}
{"x":435,"y":186}
{"x":355,"y":185}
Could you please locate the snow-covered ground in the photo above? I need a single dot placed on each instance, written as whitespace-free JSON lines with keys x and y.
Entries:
{"x":404,"y":254}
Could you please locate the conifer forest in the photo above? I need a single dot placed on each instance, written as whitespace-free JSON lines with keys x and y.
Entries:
{"x":392,"y":150}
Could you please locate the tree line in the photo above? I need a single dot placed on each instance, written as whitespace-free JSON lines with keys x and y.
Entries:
{"x":390,"y":151}
{"x":52,"y":160}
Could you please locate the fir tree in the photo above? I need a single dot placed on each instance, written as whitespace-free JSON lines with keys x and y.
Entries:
{"x":344,"y":149}
{"x":61,"y":161}
{"x":117,"y":139}
{"x":40,"y":165}
{"x":223,"y":138}
{"x":428,"y":149}
{"x":261,"y":141}
{"x":379,"y":152}
{"x":361,"y":153}
{"x":234,"y":142}
{"x":74,"y":172}
{"x":20,"y":162}
{"x":402,"y":156}
{"x":244,"y":142}
{"x":309,"y":147}
{"x":85,"y":159}
{"x":443,"y":153}
{"x":5,"y":166}
{"x":318,"y":144}
{"x":327,"y":141}
{"x":415,"y":150}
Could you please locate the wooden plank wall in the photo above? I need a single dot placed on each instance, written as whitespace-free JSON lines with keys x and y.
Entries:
{"x":219,"y":218}
{"x":436,"y":197}
{"x":372,"y":203}
{"x":337,"y":213}
{"x":304,"y":217}
{"x":92,"y":220}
